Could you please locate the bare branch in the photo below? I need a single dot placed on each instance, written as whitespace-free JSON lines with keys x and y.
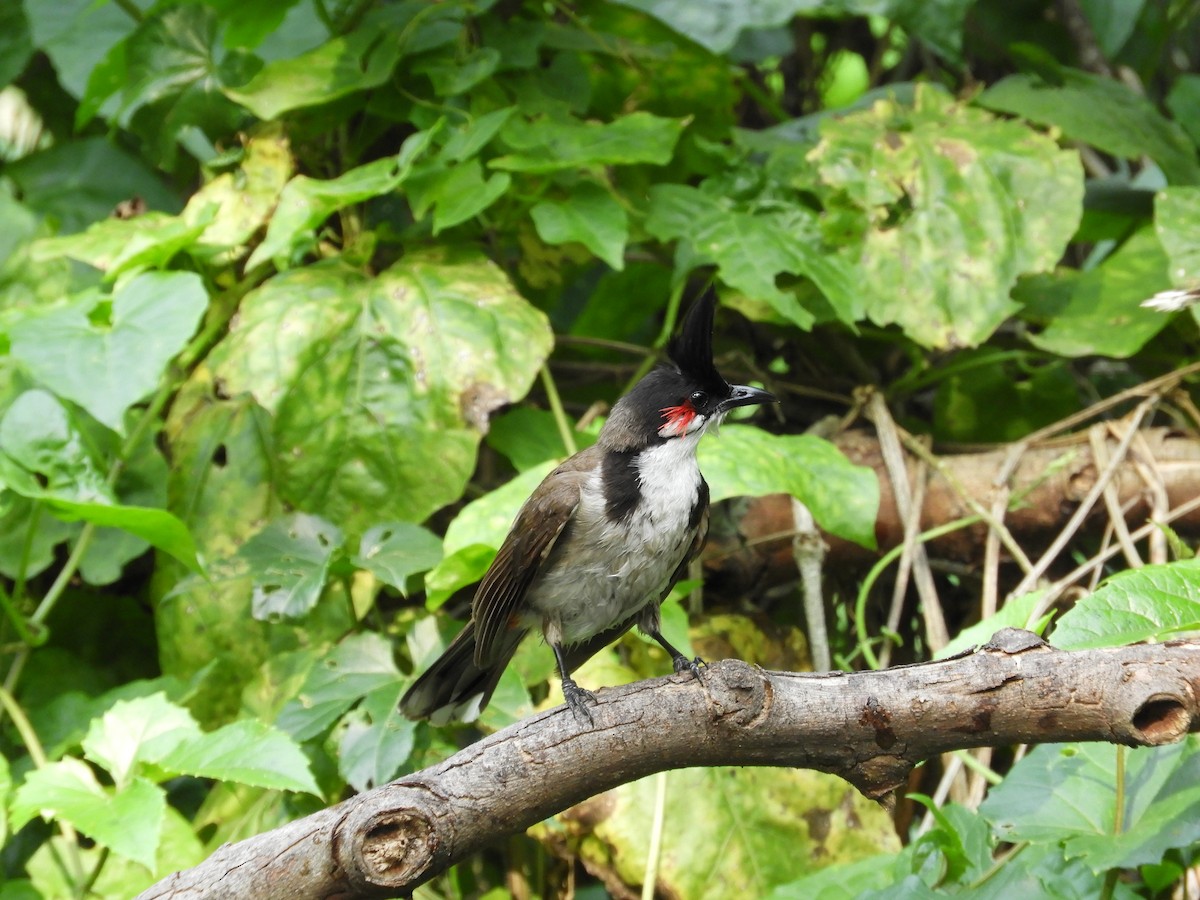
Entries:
{"x":869,"y":727}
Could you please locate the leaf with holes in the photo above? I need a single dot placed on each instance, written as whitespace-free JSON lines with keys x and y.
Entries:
{"x":397,"y":550}
{"x":289,"y":562}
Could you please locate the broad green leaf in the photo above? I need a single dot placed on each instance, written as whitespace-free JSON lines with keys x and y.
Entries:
{"x":381,"y":388}
{"x":175,"y":63}
{"x":553,"y":145}
{"x":954,"y":204}
{"x":457,"y":570}
{"x":340,"y":66}
{"x":464,"y":194}
{"x":1184,"y":103}
{"x":307,"y":202}
{"x":765,"y":822}
{"x":1154,"y":603}
{"x":76,"y":35}
{"x":1100,"y":111}
{"x":16,"y":44}
{"x":289,"y":563}
{"x":457,"y":75}
{"x":1065,"y":794}
{"x":465,"y":140}
{"x":244,"y":200}
{"x":590,"y":216}
{"x":156,"y":527}
{"x":1177,"y":225}
{"x":1112,"y":21}
{"x":846,"y":881}
{"x":131,"y":731}
{"x":114,"y":246}
{"x":719,"y":26}
{"x":396,"y":551}
{"x":987,"y":379}
{"x":529,"y":436}
{"x":79,"y":182}
{"x":43,"y":453}
{"x":356,"y":667}
{"x":1099,"y":312}
{"x":107,"y":368}
{"x":247,"y":752}
{"x":374,"y":740}
{"x":129,"y":822}
{"x":747,"y":461}
{"x":752,"y":249}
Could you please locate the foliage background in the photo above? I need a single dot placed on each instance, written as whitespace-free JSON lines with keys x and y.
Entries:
{"x":279,"y":287}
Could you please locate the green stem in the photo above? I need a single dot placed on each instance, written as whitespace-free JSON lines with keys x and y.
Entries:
{"x":650,"y":878}
{"x":30,"y":638}
{"x":986,"y":772}
{"x":860,"y":605}
{"x":37,"y":753}
{"x":1001,"y":861}
{"x":1118,"y":826}
{"x":18,"y":593}
{"x":560,"y":415}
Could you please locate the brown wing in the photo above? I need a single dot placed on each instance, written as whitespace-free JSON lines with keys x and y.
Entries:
{"x":538,"y":526}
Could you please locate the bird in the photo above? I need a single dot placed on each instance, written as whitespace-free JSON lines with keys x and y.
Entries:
{"x":601,"y":541}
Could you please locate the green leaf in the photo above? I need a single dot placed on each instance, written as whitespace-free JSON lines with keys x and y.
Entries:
{"x":156,"y":527}
{"x":553,"y":145}
{"x":79,"y":182}
{"x":307,"y":202}
{"x":44,"y":454}
{"x":953,"y":205}
{"x":397,"y":550}
{"x":247,"y":752}
{"x":356,"y":667}
{"x":1099,"y":312}
{"x":765,"y":822}
{"x":463,"y":194}
{"x":340,"y":66}
{"x":129,"y":822}
{"x":1100,"y":111}
{"x":108,"y":368}
{"x":1065,"y":794}
{"x":76,"y":35}
{"x":16,"y":46}
{"x":375,"y":740}
{"x":289,"y":562}
{"x":747,"y":461}
{"x":1153,"y":603}
{"x":752,"y":249}
{"x":131,"y":731}
{"x":590,"y":216}
{"x":114,"y":246}
{"x":529,"y":436}
{"x":1177,"y":225}
{"x":381,"y":389}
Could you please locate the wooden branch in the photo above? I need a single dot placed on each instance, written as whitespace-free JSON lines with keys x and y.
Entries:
{"x":870,"y":728}
{"x":1050,"y":481}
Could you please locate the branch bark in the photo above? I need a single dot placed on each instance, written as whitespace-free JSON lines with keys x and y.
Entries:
{"x":870,"y":728}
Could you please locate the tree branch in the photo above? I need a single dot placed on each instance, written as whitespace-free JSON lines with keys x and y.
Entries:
{"x":870,"y":728}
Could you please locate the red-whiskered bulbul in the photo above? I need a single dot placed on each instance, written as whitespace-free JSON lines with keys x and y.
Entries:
{"x":601,"y":542}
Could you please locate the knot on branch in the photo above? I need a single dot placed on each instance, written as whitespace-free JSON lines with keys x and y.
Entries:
{"x":1013,"y":641}
{"x":740,"y":694}
{"x":387,"y":843}
{"x":1163,"y":719}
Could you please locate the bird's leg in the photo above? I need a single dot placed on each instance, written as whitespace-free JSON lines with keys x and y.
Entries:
{"x":577,"y":698}
{"x":678,"y":660}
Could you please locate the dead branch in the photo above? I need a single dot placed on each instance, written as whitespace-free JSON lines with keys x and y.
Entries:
{"x":870,"y":728}
{"x":1044,"y":488}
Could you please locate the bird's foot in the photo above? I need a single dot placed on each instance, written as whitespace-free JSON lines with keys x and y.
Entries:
{"x":683,"y":664}
{"x":578,"y":700}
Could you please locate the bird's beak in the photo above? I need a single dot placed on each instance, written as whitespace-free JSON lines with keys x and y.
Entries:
{"x":744,"y":395}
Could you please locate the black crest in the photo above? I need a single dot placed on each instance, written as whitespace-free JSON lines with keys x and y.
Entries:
{"x":692,"y":349}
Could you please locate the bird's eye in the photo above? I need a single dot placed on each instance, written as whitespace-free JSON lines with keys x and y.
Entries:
{"x":698,"y":398}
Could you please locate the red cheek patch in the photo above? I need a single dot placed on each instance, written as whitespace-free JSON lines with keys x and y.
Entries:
{"x":678,"y":418}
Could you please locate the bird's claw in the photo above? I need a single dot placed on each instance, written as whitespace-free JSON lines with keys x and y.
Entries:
{"x":683,"y":664}
{"x":577,"y":699}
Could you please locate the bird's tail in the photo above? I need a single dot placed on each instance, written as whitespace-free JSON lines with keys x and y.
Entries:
{"x":454,"y":688}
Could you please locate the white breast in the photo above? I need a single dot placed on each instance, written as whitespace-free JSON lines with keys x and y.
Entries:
{"x":608,"y":571}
